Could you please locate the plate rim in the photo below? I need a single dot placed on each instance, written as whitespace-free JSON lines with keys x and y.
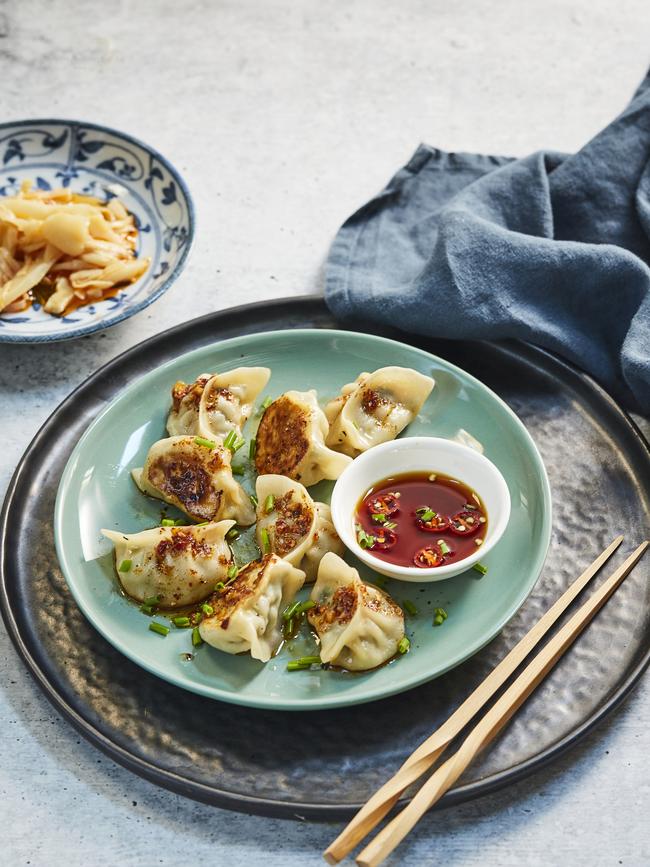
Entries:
{"x":308,"y":306}
{"x":171,"y":278}
{"x":340,"y":699}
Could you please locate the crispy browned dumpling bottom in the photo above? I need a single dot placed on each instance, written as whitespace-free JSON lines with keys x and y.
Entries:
{"x":282,"y":439}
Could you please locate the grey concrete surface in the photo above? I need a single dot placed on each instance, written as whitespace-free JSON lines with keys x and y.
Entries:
{"x":284,"y":117}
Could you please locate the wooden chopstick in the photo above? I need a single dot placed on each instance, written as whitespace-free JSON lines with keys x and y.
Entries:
{"x":428,"y":752}
{"x":494,"y":720}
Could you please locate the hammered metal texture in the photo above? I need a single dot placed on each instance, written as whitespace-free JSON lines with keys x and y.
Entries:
{"x":324,"y":764}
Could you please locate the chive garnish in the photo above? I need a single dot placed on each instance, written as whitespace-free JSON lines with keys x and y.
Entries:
{"x":409,"y":607}
{"x":167,"y":522}
{"x":239,"y":442}
{"x":208,"y":444}
{"x":181,"y":622}
{"x":196,"y":637}
{"x":266,"y":541}
{"x":287,"y":628}
{"x":403,"y":645}
{"x":252,"y":446}
{"x":232,"y":572}
{"x":238,"y":471}
{"x":303,"y":663}
{"x":289,"y":611}
{"x":207,"y":609}
{"x":253,"y":500}
{"x":480,"y":567}
{"x":305,"y":606}
{"x":125,"y":566}
{"x":159,"y":628}
{"x":232,"y":534}
{"x":152,"y":600}
{"x":444,"y":547}
{"x":266,"y":403}
{"x":230,"y":439}
{"x":269,"y":503}
{"x":147,"y":609}
{"x":378,"y":519}
{"x":219,"y":586}
{"x":438,"y":620}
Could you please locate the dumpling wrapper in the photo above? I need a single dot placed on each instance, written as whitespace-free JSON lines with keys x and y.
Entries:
{"x":297,"y":529}
{"x":248,"y":612}
{"x":216,"y":403}
{"x":180,"y":565}
{"x":375,"y":408}
{"x":196,"y":479}
{"x":291,"y":440}
{"x":359,"y":625}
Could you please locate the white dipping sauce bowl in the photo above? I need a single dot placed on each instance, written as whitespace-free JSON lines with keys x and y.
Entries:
{"x":427,"y":455}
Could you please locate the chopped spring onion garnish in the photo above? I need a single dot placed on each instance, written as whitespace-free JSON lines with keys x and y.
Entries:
{"x":238,"y":471}
{"x":152,"y":600}
{"x":297,"y":666}
{"x":444,"y":547}
{"x":196,"y":637}
{"x":363,"y":538}
{"x":230,"y":439}
{"x":390,"y":525}
{"x":202,"y":524}
{"x":159,"y":628}
{"x":252,"y":447}
{"x":403,"y":645}
{"x":239,"y":442}
{"x":232,"y":571}
{"x":480,"y":567}
{"x":305,"y":606}
{"x":181,"y":622}
{"x":426,"y":514}
{"x":266,"y":403}
{"x":147,"y":609}
{"x":266,"y":541}
{"x":287,"y":628}
{"x":232,"y":534}
{"x":378,"y":518}
{"x":208,"y":444}
{"x":208,"y":610}
{"x":439,"y":616}
{"x":297,"y":609}
{"x":125,"y":566}
{"x":409,"y":607}
{"x":167,"y":522}
{"x":253,"y":500}
{"x":219,"y":586}
{"x":269,"y":504}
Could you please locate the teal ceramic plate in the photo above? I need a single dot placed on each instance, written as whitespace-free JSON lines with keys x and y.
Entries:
{"x":96,"y":491}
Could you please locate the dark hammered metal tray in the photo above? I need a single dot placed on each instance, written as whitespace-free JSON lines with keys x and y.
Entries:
{"x":325,"y":764}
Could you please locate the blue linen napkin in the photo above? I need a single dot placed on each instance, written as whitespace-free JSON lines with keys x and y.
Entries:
{"x":553,"y":249}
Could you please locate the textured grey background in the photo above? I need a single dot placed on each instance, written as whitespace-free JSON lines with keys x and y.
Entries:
{"x":284,"y":117}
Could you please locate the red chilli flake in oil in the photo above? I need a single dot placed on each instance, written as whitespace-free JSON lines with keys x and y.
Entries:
{"x":456,"y":531}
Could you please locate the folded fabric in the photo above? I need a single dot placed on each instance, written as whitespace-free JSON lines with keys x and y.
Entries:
{"x":553,"y":249}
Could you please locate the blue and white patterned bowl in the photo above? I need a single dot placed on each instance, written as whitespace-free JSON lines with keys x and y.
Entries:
{"x":101,"y":162}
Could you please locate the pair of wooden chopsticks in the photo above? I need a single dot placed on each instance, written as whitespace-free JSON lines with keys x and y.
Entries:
{"x":485,"y":730}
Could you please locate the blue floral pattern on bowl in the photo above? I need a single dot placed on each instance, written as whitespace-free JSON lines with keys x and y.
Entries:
{"x":98,"y":161}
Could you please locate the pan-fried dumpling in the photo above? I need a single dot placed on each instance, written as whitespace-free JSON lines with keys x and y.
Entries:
{"x":216,"y":403}
{"x":180,"y":565}
{"x":291,"y":440}
{"x":359,"y":625}
{"x":248,"y":611}
{"x":325,"y":539}
{"x":291,"y":525}
{"x":196,"y":478}
{"x":375,"y":408}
